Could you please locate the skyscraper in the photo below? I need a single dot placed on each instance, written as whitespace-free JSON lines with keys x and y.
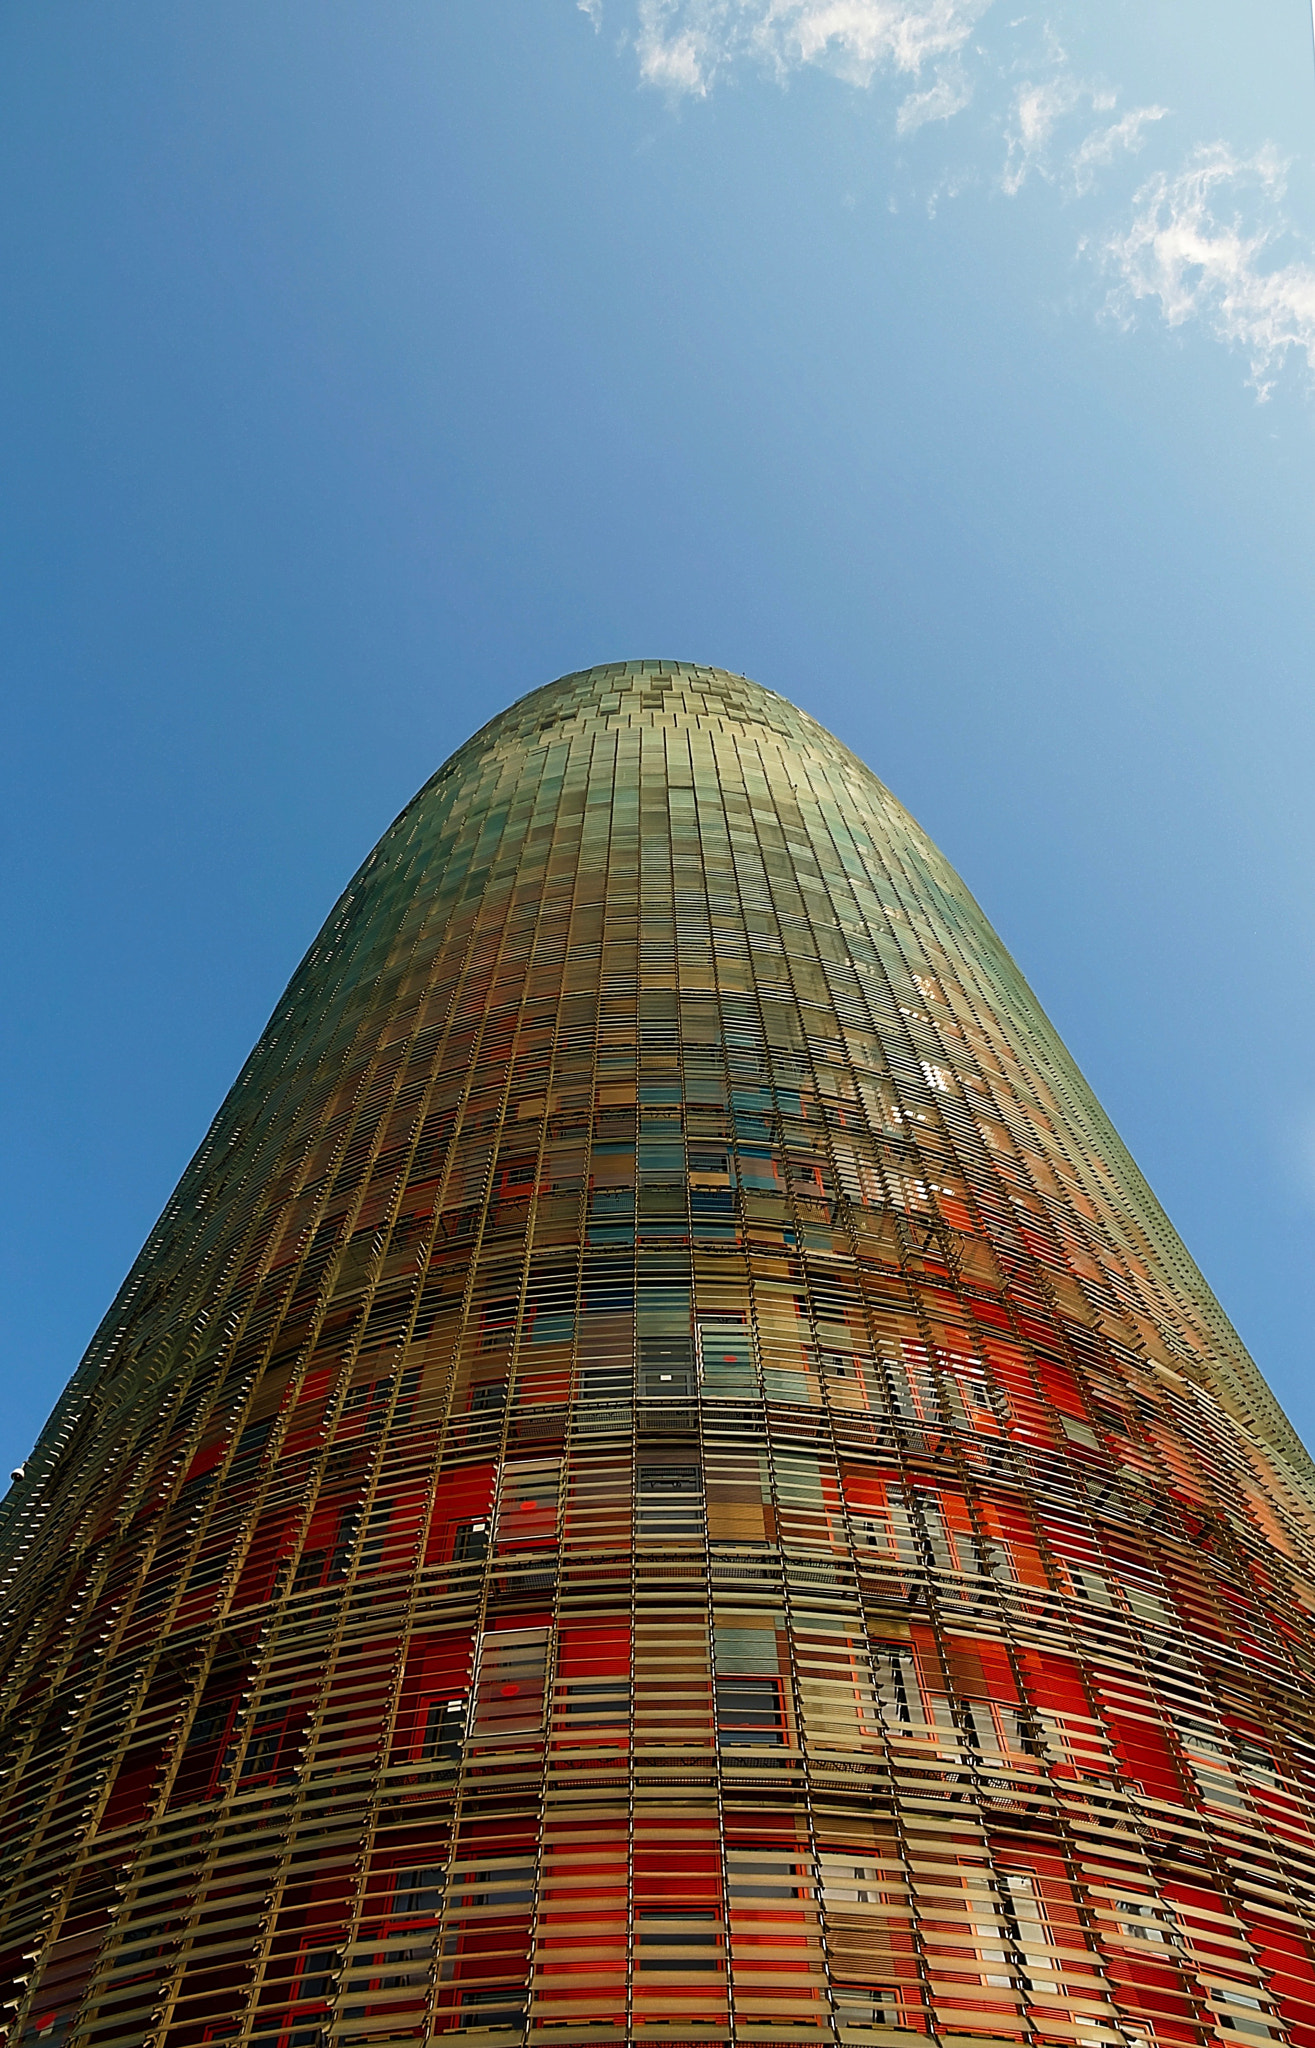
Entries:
{"x":662,"y":1477}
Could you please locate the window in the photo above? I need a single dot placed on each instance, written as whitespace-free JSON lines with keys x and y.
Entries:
{"x":496,"y":1323}
{"x":750,"y":1712}
{"x":1211,"y":1763}
{"x":1148,"y":1920}
{"x":527,"y":1510}
{"x":1252,"y":2022}
{"x":898,"y":1690}
{"x":1025,"y":1922}
{"x":1089,"y":1584}
{"x":999,"y":1729}
{"x":502,"y":1884}
{"x":313,"y":1979}
{"x":596,"y":1702}
{"x":471,"y":1543}
{"x":875,"y":2005}
{"x":669,"y":1503}
{"x":495,"y":2006}
{"x":509,"y":1697}
{"x":726,"y":1357}
{"x":666,"y":1367}
{"x":265,"y":1744}
{"x":765,"y":1877}
{"x":445,"y":1730}
{"x":418,"y":1893}
{"x":606,"y":1383}
{"x":676,"y":1941}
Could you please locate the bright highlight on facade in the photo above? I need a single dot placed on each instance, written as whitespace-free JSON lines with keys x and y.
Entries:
{"x":662,"y":1477}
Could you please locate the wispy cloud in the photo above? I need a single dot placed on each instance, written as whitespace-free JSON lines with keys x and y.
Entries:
{"x":1200,"y":247}
{"x":950,"y":94}
{"x":683,"y":45}
{"x":1037,"y":111}
{"x":1196,"y":244}
{"x":1099,"y":149}
{"x":1033,"y":141}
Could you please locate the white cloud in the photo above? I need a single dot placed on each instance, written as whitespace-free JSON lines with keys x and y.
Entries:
{"x":1039,"y":109}
{"x":1037,"y":112}
{"x":1188,"y":251}
{"x":685,"y":61}
{"x":1104,"y":144}
{"x":684,"y":44}
{"x":862,"y":37}
{"x":949,"y":186}
{"x":941,"y":102}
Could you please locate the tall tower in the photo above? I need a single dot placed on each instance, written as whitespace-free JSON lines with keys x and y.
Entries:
{"x":662,"y":1477}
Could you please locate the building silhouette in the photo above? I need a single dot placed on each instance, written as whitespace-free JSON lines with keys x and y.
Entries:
{"x":662,"y":1477}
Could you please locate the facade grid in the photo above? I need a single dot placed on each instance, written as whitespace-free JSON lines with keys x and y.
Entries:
{"x":662,"y":1477}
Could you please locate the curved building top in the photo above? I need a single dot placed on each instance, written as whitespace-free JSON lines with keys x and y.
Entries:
{"x":834,"y":933}
{"x":914,"y":894}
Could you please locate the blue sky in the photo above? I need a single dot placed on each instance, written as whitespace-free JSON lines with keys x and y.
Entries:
{"x":946,"y":367}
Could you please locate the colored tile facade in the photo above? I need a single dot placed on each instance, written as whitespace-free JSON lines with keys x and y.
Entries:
{"x":662,"y":1477}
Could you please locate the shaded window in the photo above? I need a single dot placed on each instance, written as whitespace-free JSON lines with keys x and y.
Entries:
{"x":726,"y":1355}
{"x":250,"y":1450}
{"x":898,"y":1690}
{"x":211,"y":1720}
{"x":445,"y":1729}
{"x":676,"y":1941}
{"x":496,"y":1323}
{"x":596,"y":1702}
{"x":876,"y":2005}
{"x":750,"y":1712}
{"x":669,"y":1500}
{"x":666,"y":1368}
{"x":509,"y":1696}
{"x":502,"y":1884}
{"x":498,"y":2006}
{"x":471,"y":1542}
{"x":314,"y":1981}
{"x":264,"y":1752}
{"x":419,"y":1892}
{"x":606,"y":1383}
{"x":527,"y":1510}
{"x":553,"y":1326}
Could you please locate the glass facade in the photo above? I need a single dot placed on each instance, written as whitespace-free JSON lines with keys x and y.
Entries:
{"x":662,"y":1476}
